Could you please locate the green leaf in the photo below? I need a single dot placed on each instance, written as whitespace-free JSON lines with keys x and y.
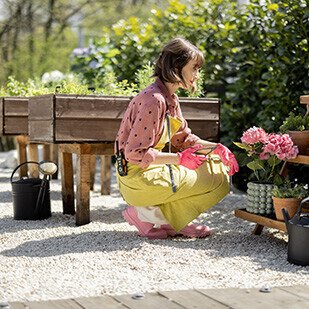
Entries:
{"x":243,"y":146}
{"x":255,"y":165}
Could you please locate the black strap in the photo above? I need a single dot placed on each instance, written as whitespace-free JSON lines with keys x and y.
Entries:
{"x":174,"y":188}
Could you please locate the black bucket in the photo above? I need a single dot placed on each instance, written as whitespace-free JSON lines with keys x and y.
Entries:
{"x":26,"y":193}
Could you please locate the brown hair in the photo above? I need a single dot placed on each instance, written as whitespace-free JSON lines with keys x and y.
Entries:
{"x":174,"y":56}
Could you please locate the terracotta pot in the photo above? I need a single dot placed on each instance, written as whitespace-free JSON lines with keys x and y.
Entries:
{"x":290,"y":204}
{"x":301,"y":140}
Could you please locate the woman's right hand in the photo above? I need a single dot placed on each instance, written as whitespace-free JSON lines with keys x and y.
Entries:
{"x":189,"y":159}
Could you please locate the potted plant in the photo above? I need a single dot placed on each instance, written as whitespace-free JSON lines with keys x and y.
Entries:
{"x":297,"y":126}
{"x":264,"y":155}
{"x":288,"y":197}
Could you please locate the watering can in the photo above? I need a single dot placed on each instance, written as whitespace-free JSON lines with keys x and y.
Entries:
{"x":31,"y":200}
{"x":298,"y":231}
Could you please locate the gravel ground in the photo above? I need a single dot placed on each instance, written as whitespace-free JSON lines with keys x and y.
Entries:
{"x":53,"y":258}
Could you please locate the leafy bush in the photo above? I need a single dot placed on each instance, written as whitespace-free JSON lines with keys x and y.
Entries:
{"x":258,"y":54}
{"x":269,"y":66}
{"x":295,"y":123}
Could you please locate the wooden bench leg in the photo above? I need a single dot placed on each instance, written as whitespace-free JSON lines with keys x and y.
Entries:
{"x":22,"y":154}
{"x":33,"y":156}
{"x":258,"y":229}
{"x":54,"y":158}
{"x":105,"y":175}
{"x":93,"y":163}
{"x":67,"y":182}
{"x":82,"y":189}
{"x":46,"y":152}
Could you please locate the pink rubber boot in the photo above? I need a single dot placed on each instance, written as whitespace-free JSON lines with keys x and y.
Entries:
{"x":145,"y":229}
{"x":191,"y":230}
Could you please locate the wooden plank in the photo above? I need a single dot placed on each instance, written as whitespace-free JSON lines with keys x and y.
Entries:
{"x":41,"y":107}
{"x":301,"y":159}
{"x":208,"y":130}
{"x":100,"y":107}
{"x":53,"y":304}
{"x":90,"y":107}
{"x":91,"y":149}
{"x":16,"y":106}
{"x":41,"y":118}
{"x":253,"y":298}
{"x":22,"y":142}
{"x":301,"y":291}
{"x":41,"y":131}
{"x":150,"y":300}
{"x":82,"y":189}
{"x":67,"y":182}
{"x":16,"y":305}
{"x":265,"y":221}
{"x":106,"y":175}
{"x":15,"y":115}
{"x":106,"y":302}
{"x":304,"y":99}
{"x":86,"y":130}
{"x":15,"y":125}
{"x":33,"y":152}
{"x":95,"y":130}
{"x":93,"y":166}
{"x":192,"y":299}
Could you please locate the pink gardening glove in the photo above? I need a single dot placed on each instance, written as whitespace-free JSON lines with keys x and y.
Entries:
{"x":227,"y":158}
{"x":189,"y":159}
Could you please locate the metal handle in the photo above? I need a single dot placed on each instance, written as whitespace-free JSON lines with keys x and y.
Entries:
{"x":305,"y":200}
{"x":33,"y":162}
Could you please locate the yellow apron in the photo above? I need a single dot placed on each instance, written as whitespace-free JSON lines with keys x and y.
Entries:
{"x":197,"y":190}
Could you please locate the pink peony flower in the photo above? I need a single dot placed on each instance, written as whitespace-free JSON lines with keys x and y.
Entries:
{"x":253,"y":136}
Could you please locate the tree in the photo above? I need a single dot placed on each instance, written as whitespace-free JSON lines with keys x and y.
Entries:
{"x":36,"y":35}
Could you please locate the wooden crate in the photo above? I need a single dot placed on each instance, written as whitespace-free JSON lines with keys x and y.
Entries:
{"x":76,"y":118}
{"x":13,"y":116}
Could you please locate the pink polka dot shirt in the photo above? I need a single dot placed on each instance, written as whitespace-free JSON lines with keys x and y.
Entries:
{"x":142,"y":125}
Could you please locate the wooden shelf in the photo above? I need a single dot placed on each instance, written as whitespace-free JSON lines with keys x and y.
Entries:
{"x":304,"y":99}
{"x":271,"y":222}
{"x":301,"y":159}
{"x":260,"y":220}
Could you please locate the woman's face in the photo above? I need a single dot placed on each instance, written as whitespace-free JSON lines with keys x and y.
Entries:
{"x":190,"y":74}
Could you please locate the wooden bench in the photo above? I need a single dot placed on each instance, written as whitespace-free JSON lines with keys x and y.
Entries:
{"x":271,"y":222}
{"x":87,"y":126}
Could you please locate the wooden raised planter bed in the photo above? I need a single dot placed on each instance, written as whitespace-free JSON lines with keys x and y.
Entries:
{"x":72,"y":118}
{"x":87,"y":126}
{"x":14,"y":116}
{"x":14,"y":122}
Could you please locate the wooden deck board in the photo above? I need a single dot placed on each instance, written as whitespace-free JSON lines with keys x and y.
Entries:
{"x":280,"y":297}
{"x":192,"y":299}
{"x":151,"y":300}
{"x":254,"y":299}
{"x":299,"y":290}
{"x":106,"y":302}
{"x":17,"y":305}
{"x":54,"y":304}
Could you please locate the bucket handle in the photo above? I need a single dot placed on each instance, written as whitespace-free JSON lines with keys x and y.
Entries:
{"x":301,"y":206}
{"x":20,"y":166}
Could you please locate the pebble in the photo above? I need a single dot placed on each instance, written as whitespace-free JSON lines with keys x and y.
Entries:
{"x":54,"y":258}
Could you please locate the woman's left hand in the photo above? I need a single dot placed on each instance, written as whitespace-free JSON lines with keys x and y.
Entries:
{"x":227,"y":158}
